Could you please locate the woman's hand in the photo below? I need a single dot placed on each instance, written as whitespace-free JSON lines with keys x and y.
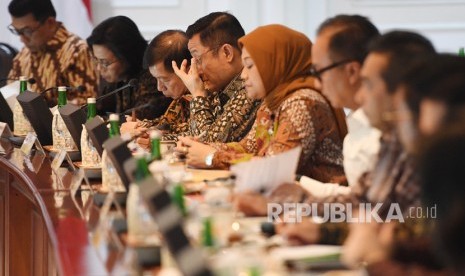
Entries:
{"x":196,"y":152}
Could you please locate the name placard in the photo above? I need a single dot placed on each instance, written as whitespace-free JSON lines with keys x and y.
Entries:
{"x":29,"y":141}
{"x":5,"y":131}
{"x":58,"y":159}
{"x":78,"y":177}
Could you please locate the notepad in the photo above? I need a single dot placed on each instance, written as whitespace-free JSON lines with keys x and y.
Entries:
{"x":265,"y":174}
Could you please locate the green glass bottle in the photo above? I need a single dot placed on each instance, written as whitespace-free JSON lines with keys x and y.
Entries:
{"x":178,"y":198}
{"x":254,"y":271}
{"x":91,"y":108}
{"x":142,"y":169}
{"x":207,"y":233}
{"x":155,"y":139}
{"x":114,"y":125}
{"x":21,"y":123}
{"x":61,"y":96}
{"x":140,"y":222}
{"x":22,"y":84}
{"x":462,"y":52}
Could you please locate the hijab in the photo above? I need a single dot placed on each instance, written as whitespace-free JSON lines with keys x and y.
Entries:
{"x":283,"y":60}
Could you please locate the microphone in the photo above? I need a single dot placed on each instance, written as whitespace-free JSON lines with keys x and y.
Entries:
{"x":133,"y":83}
{"x":130,"y":110}
{"x":30,"y":80}
{"x":80,"y":88}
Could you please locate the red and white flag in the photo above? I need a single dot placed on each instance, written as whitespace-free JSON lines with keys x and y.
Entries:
{"x":76,"y":16}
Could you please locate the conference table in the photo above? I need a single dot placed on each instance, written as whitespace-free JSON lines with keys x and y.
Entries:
{"x":47,"y":229}
{"x":42,"y":230}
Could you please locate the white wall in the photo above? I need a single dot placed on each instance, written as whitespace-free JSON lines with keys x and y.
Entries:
{"x":442,"y":21}
{"x":154,"y":16}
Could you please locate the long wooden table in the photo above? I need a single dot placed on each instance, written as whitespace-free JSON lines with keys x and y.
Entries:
{"x":41,"y":231}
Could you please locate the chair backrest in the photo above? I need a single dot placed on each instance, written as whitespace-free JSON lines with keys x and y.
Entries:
{"x":7,"y":53}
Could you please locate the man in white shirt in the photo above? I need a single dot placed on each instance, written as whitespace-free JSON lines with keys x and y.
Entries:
{"x":338,"y":54}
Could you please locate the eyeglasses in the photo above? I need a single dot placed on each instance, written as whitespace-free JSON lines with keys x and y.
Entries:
{"x":199,"y":58}
{"x":103,"y":62}
{"x":317,"y":73}
{"x":26,"y":31}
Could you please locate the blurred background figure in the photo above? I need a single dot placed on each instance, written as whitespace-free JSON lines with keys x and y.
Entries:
{"x":431,"y":90}
{"x":441,"y":174}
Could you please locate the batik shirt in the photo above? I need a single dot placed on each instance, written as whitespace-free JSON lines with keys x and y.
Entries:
{"x":303,"y":119}
{"x":224,"y":116}
{"x":175,"y":118}
{"x":65,"y":61}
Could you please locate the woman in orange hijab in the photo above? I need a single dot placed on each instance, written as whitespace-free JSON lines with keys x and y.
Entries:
{"x":276,"y":64}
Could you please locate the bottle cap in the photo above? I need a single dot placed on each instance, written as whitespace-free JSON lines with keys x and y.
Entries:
{"x":22,"y":78}
{"x":155,"y":134}
{"x":114,"y":117}
{"x":91,"y":100}
{"x":61,"y":88}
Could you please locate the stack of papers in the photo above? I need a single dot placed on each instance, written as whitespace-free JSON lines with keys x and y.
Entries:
{"x":265,"y":174}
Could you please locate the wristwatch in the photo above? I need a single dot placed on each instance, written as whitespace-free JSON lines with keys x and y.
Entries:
{"x":209,"y":159}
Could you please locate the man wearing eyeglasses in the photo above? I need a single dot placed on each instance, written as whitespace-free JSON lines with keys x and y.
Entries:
{"x":338,"y":53}
{"x":52,"y":55}
{"x":220,"y":110}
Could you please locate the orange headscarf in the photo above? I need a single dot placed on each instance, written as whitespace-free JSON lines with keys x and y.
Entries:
{"x":283,"y":59}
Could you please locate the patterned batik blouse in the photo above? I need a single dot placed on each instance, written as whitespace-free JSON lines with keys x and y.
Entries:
{"x":303,"y":119}
{"x":65,"y":61}
{"x":224,"y":116}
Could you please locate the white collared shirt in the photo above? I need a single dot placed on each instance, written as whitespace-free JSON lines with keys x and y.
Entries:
{"x":360,"y":151}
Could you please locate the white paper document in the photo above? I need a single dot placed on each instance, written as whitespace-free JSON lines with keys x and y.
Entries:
{"x":265,"y":174}
{"x":10,"y":92}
